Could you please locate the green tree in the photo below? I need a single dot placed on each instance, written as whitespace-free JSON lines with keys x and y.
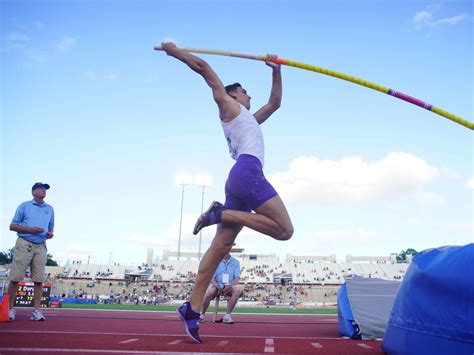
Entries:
{"x":50,"y":261}
{"x":402,"y":257}
{"x":6,"y":257}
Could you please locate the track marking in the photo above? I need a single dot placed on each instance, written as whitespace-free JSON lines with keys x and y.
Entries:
{"x":30,"y":350}
{"x":55,"y":332}
{"x":365,"y":346}
{"x":174,"y":342}
{"x":269,"y":346}
{"x":317,"y":345}
{"x":173,"y":313}
{"x":99,"y":351}
{"x":222,"y":343}
{"x":128,"y":341}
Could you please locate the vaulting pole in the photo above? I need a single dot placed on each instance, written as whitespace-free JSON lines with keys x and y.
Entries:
{"x":352,"y":79}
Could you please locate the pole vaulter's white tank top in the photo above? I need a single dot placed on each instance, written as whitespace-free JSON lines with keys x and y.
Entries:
{"x":244,"y":136}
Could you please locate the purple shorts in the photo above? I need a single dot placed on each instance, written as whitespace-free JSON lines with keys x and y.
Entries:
{"x":246,"y":187}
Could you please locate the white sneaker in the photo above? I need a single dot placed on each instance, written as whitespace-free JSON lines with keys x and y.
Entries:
{"x":37,"y":315}
{"x":228,"y":319}
{"x":202,"y":318}
{"x":12,"y":314}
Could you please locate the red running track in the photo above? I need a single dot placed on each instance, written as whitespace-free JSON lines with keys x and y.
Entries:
{"x":68,"y":331}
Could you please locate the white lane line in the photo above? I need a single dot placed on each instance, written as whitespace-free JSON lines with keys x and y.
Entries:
{"x":317,"y":345}
{"x":269,"y":346}
{"x":84,"y":351}
{"x":56,"y":332}
{"x":365,"y":346}
{"x":128,"y":341}
{"x":174,"y":342}
{"x":222,"y":343}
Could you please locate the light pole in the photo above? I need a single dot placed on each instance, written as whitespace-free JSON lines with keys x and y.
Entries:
{"x":202,"y":181}
{"x":182,"y":180}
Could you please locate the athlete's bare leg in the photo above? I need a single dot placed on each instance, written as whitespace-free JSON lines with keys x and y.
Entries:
{"x":221,"y":245}
{"x":271,"y":218}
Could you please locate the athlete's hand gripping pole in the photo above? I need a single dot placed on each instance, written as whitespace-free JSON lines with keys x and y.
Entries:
{"x":355,"y":80}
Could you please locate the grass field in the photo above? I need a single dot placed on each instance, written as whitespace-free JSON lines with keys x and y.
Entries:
{"x":163,"y":308}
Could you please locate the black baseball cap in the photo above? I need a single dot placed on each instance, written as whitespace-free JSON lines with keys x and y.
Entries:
{"x":38,"y":185}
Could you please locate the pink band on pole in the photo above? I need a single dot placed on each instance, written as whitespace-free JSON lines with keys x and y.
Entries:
{"x":410,"y":99}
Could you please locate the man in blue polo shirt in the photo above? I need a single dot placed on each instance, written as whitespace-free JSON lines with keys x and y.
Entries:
{"x":225,"y":282}
{"x":34,"y":223}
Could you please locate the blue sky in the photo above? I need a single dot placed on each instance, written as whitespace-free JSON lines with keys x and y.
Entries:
{"x":88,"y":107}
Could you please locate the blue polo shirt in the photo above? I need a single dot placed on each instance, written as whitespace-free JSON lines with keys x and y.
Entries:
{"x":32,"y":214}
{"x":231,"y":267}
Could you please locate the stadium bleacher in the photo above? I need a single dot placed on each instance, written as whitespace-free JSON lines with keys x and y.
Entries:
{"x":265,"y":278}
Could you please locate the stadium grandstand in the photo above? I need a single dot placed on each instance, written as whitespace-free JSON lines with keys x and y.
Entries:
{"x":266,"y":279}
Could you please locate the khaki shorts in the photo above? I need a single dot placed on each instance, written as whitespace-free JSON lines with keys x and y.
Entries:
{"x":28,"y":254}
{"x":235,"y":288}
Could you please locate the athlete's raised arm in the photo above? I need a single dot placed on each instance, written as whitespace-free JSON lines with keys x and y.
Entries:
{"x":228,"y":108}
{"x":274,"y":101}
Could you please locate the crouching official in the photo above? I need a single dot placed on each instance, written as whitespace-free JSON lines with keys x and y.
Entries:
{"x":224,"y":282}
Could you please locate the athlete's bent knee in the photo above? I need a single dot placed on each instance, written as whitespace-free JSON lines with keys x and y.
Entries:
{"x":287,"y":234}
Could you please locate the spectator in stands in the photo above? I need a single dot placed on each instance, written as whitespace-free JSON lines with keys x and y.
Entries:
{"x":34,"y":223}
{"x":224,"y":282}
{"x":293,"y":300}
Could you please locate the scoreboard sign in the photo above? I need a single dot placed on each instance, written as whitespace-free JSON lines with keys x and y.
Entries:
{"x":25,"y":295}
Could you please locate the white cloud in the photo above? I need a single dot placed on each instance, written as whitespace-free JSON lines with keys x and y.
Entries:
{"x":74,"y":254}
{"x":65,"y":44}
{"x":421,"y":17}
{"x":470,"y":184}
{"x":169,"y":239}
{"x":17,"y":40}
{"x":425,"y":18}
{"x":355,"y":241}
{"x":149,"y":240}
{"x":33,"y":55}
{"x":451,"y":21}
{"x":467,"y":226}
{"x":361,"y":236}
{"x":429,"y":198}
{"x":111,"y":76}
{"x":351,"y":180}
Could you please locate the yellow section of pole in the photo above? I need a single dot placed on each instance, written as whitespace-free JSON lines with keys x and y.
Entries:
{"x":338,"y":75}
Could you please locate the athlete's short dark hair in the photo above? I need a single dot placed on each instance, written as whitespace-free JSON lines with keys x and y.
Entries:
{"x":232,"y":87}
